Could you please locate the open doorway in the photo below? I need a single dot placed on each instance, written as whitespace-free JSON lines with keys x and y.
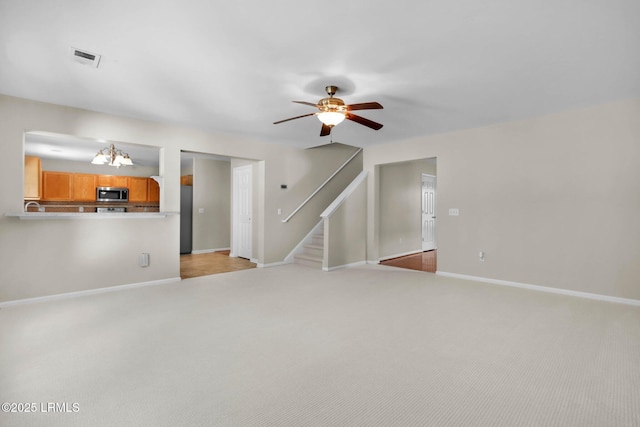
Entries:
{"x":208,"y":180}
{"x":407,"y":236}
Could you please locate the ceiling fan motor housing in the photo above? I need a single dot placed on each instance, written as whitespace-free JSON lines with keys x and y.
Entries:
{"x":331,"y":104}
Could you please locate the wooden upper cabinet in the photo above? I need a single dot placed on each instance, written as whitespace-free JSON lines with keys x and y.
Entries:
{"x":84,"y":187}
{"x":32,"y":178}
{"x":186,"y":180}
{"x":57,"y":186}
{"x":153,"y":190}
{"x":120,"y":181}
{"x":113,"y":181}
{"x":138,"y":189}
{"x":81,"y":187}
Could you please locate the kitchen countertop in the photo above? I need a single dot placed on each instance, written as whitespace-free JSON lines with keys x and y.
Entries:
{"x":89,"y":215}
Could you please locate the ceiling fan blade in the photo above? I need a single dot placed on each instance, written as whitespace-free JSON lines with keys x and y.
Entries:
{"x":306,"y":103}
{"x":363,"y":121}
{"x":293,"y":118}
{"x":365,"y":106}
{"x":326,"y":130}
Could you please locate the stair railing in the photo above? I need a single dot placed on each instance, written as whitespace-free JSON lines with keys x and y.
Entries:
{"x":321,"y":186}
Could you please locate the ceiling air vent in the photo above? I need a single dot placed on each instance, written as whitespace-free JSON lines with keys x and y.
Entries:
{"x":85,"y":57}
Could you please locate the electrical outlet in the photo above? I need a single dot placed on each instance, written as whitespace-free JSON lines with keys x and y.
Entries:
{"x":279,"y":211}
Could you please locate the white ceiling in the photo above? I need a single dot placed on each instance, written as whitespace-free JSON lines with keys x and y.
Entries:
{"x":234,"y":67}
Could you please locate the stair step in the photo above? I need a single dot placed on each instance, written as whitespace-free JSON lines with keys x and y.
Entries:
{"x":318,"y":239}
{"x":315,"y":250}
{"x":309,"y":260}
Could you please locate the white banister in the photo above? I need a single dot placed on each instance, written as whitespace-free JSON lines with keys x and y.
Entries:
{"x":343,"y":196}
{"x":322,"y":186}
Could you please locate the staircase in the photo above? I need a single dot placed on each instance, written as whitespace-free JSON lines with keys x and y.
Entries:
{"x":313,"y":253}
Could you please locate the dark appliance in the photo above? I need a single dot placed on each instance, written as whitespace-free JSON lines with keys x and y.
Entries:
{"x":186,"y":218}
{"x":112,"y":194}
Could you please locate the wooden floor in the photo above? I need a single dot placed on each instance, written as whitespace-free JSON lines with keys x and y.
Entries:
{"x":219,"y":262}
{"x":196,"y":265}
{"x":424,"y":261}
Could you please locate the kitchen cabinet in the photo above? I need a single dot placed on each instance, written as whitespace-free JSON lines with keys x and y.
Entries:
{"x":81,"y":187}
{"x":57,"y":186}
{"x":153,"y":190}
{"x":32,"y":178}
{"x":138,"y":189}
{"x":113,"y":181}
{"x":84,"y":187}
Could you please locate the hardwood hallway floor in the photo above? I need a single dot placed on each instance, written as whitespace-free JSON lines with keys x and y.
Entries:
{"x":196,"y":265}
{"x":424,"y":261}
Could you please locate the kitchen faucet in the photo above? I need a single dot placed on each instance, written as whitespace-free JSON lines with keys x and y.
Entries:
{"x":26,"y":206}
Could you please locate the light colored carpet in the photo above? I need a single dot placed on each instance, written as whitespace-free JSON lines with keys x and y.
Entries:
{"x":293,"y":346}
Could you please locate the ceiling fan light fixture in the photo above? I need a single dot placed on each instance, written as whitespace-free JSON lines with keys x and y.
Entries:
{"x":331,"y":118}
{"x":334,"y":111}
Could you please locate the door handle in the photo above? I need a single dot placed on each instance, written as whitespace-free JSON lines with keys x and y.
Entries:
{"x":433,"y":217}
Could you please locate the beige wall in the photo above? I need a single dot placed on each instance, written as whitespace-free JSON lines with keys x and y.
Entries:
{"x":48,"y":257}
{"x":212,"y":193}
{"x":399,"y":212}
{"x":86,"y":167}
{"x":552,"y":201}
{"x":346,"y":231}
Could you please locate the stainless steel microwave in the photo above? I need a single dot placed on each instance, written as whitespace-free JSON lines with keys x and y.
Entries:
{"x":112,"y":194}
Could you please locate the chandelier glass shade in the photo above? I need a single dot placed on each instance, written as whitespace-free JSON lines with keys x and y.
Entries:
{"x":113,"y":157}
{"x":331,"y":118}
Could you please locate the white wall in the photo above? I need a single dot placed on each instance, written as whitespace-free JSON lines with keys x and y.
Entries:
{"x":552,"y":201}
{"x":40,"y":258}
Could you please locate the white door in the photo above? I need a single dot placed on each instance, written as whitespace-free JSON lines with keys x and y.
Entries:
{"x":242,"y":177}
{"x":428,"y":212}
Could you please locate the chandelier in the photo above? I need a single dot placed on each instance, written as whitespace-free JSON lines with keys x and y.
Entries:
{"x":112,"y":156}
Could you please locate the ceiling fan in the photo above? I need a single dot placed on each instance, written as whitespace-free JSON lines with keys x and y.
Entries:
{"x":332,"y":111}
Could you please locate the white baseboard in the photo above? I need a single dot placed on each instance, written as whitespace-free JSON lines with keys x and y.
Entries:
{"x":338,"y":267}
{"x":207,"y":251}
{"x":87,"y":292}
{"x":539,"y":288}
{"x":273,"y":264}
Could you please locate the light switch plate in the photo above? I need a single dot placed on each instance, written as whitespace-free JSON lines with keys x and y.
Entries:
{"x":200,"y":210}
{"x":454,"y":212}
